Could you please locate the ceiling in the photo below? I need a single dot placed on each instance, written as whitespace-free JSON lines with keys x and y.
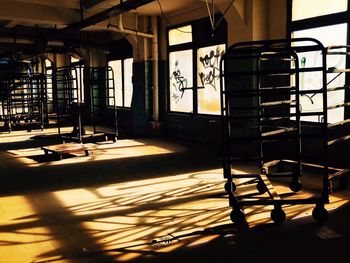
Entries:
{"x":58,"y":13}
{"x":27,"y":25}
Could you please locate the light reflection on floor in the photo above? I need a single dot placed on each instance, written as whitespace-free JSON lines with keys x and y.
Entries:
{"x":97,"y":152}
{"x":123,"y":221}
{"x":161,"y":214}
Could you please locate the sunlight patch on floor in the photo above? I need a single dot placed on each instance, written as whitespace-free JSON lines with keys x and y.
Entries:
{"x":97,"y":152}
{"x":124,"y":221}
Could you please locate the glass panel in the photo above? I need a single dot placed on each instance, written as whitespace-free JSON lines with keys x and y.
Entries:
{"x":128,"y":87}
{"x":329,"y":35}
{"x":208,"y":78}
{"x":302,"y":9}
{"x":74,"y":60}
{"x":80,"y":81}
{"x":48,"y":64}
{"x":181,"y":81}
{"x":116,"y":66}
{"x":180,"y":35}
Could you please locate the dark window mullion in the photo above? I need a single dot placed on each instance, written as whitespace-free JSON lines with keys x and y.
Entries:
{"x":195,"y":91}
{"x":319,"y":21}
{"x":123,"y":88}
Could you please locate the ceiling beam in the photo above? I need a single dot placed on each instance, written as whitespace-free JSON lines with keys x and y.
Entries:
{"x":115,"y":10}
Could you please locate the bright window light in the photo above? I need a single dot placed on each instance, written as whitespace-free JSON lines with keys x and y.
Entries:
{"x":181,"y":80}
{"x":180,"y":35}
{"x":302,"y":9}
{"x":208,"y":78}
{"x":328,"y":35}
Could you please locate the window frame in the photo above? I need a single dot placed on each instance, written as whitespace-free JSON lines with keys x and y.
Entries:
{"x":122,"y":81}
{"x":200,"y":39}
{"x":322,"y":21}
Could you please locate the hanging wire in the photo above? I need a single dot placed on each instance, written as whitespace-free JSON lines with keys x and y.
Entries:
{"x":167,"y":20}
{"x":211,"y":16}
{"x":223,"y":15}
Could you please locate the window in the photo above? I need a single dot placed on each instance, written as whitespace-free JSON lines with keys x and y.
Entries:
{"x":180,"y":35}
{"x":123,"y":88}
{"x":49,"y":90}
{"x":312,"y":80}
{"x":181,"y":80}
{"x":194,"y":53}
{"x":116,"y":66}
{"x":128,"y":87}
{"x":326,"y":21}
{"x":303,"y":9}
{"x":208,"y":78}
{"x":78,"y":75}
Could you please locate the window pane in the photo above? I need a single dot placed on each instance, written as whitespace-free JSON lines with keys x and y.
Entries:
{"x":329,"y":35}
{"x":181,"y":81}
{"x":302,"y":9}
{"x":116,"y":66}
{"x":80,"y":81}
{"x":208,"y":78}
{"x":180,"y":35}
{"x":128,"y":88}
{"x":48,"y":64}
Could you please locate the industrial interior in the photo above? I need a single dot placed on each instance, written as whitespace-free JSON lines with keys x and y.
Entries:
{"x":167,"y":131}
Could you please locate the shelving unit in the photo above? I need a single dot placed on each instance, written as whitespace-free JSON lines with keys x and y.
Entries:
{"x":68,"y":95}
{"x":24,"y":101}
{"x":339,"y":131}
{"x":71,"y":107}
{"x":103,"y":103}
{"x":261,"y":120}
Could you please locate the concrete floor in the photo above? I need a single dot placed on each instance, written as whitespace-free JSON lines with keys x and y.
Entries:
{"x":145,"y":200}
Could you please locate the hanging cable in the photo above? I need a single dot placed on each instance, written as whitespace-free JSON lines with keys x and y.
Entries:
{"x":210,"y":15}
{"x":223,"y":15}
{"x":167,"y":20}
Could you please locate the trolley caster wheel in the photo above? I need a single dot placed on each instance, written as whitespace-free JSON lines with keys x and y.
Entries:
{"x":278,"y":215}
{"x":230,"y":187}
{"x":237,"y":216}
{"x":295,"y":185}
{"x":319,"y":213}
{"x":261,"y":187}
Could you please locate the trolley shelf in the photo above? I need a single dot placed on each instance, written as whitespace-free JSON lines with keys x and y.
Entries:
{"x":344,"y":122}
{"x":338,"y":140}
{"x":261,"y":72}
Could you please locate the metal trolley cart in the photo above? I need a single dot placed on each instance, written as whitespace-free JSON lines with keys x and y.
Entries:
{"x":23,"y":99}
{"x":103,"y":103}
{"x":338,"y":90}
{"x":68,"y":96}
{"x":262,"y":124}
{"x":87,"y":101}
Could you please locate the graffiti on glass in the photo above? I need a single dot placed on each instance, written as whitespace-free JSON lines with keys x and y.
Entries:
{"x":211,"y":71}
{"x":179,"y":84}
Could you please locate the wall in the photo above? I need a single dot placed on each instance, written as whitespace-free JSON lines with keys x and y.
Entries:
{"x":277,"y":19}
{"x":247,"y":20}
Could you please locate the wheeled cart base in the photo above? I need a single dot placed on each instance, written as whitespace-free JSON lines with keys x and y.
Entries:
{"x":65,"y":148}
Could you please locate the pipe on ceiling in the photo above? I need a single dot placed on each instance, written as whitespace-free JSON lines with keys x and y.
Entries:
{"x":121,"y":8}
